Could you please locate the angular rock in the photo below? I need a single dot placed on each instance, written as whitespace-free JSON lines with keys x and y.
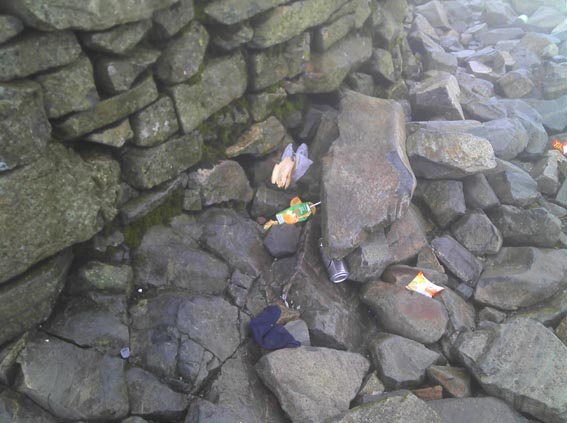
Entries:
{"x":285,"y":22}
{"x":507,"y":136}
{"x":326,"y":71}
{"x":97,"y":276}
{"x":232,"y":37}
{"x":183,"y":56}
{"x":11,"y":26}
{"x":37,"y":53}
{"x":534,"y":227}
{"x":108,"y":111}
{"x":203,"y":411}
{"x":299,"y":330}
{"x":438,"y":96}
{"x":549,"y":313}
{"x":401,"y":362}
{"x":228,"y":13}
{"x":471,"y":410}
{"x":444,"y":199}
{"x":477,"y":233}
{"x":457,"y":259}
{"x":441,"y":61}
{"x":268,"y":202}
{"x":144,"y":168}
{"x":500,"y":34}
{"x":381,"y":66}
{"x":69,"y":89}
{"x":24,"y":128}
{"x":553,"y":113}
{"x":263,"y":103}
{"x":513,"y":185}
{"x":223,"y":80}
{"x":407,"y":235}
{"x":45,"y":359}
{"x":515,"y":84}
{"x":268,"y":67}
{"x":404,"y":313}
{"x":236,"y":239}
{"x":150,"y":398}
{"x":169,"y":21}
{"x":506,"y":362}
{"x":154,"y":124}
{"x":462,"y":314}
{"x":396,"y":407}
{"x":322,"y":394}
{"x":117,"y":40}
{"x":29,"y":299}
{"x":84,"y":15}
{"x":532,"y":121}
{"x":370,"y":259}
{"x":166,"y":258}
{"x":546,"y":18}
{"x":492,"y":315}
{"x":498,"y":13}
{"x":456,"y":381}
{"x":435,"y":13}
{"x":376,"y":162}
{"x":282,"y":240}
{"x":437,"y":155}
{"x":114,"y":136}
{"x":327,"y":35}
{"x":54,"y":203}
{"x":261,"y":139}
{"x":18,"y":408}
{"x":521,"y":277}
{"x":546,"y":171}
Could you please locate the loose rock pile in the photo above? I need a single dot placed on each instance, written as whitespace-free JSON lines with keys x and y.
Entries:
{"x":132,"y":258}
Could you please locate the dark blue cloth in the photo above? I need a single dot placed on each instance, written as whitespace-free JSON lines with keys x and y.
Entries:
{"x":269,"y":335}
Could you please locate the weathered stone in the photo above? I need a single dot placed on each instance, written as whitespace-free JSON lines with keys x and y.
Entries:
{"x":24,"y":128}
{"x":97,"y":276}
{"x":117,"y":40}
{"x":29,"y":299}
{"x":166,"y":258}
{"x":108,"y":111}
{"x":325,"y":71}
{"x":404,"y":313}
{"x":82,"y":15}
{"x":546,"y":171}
{"x":507,"y":136}
{"x":492,"y":315}
{"x":261,"y":139}
{"x":299,"y":330}
{"x":203,"y":411}
{"x":438,"y":96}
{"x":69,"y":89}
{"x":555,"y":80}
{"x":282,"y":240}
{"x":500,"y":34}
{"x":361,"y":83}
{"x":477,"y":233}
{"x":182,"y":57}
{"x":381,"y":66}
{"x":18,"y":408}
{"x":444,"y":198}
{"x":376,"y":162}
{"x":480,"y":108}
{"x":231,"y":37}
{"x":222,"y":81}
{"x":396,"y":407}
{"x":169,"y":21}
{"x":553,"y":113}
{"x":45,"y":359}
{"x":144,"y":168}
{"x":327,"y":35}
{"x":549,"y":313}
{"x":437,"y":155}
{"x":435,"y":13}
{"x":114,"y":136}
{"x":37,"y":53}
{"x":285,"y":22}
{"x":546,"y":18}
{"x":458,"y":259}
{"x":370,"y":259}
{"x":268,"y":67}
{"x":456,"y":381}
{"x":535,"y":227}
{"x":515,"y":84}
{"x":116,"y":74}
{"x":150,"y":398}
{"x":507,"y":363}
{"x":224,"y":182}
{"x":10,"y":26}
{"x":229,"y":13}
{"x":532,"y":122}
{"x":154,"y":124}
{"x":471,"y":410}
{"x":148,"y":201}
{"x":54,"y":203}
{"x":268,"y":202}
{"x":360,"y":10}
{"x":324,"y":393}
{"x":441,"y":61}
{"x":513,"y":185}
{"x":236,"y":239}
{"x":521,"y":277}
{"x":498,"y":13}
{"x":462,"y":314}
{"x":401,"y":362}
{"x":263,"y":104}
{"x":386,"y":29}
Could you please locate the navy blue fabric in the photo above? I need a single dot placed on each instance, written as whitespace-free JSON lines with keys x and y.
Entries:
{"x":269,"y":335}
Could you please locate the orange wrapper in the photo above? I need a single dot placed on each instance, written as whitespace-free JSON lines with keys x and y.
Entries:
{"x":561,"y":147}
{"x":424,"y":286}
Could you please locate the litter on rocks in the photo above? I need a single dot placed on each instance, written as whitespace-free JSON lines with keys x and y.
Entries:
{"x":292,"y":166}
{"x":297,"y":211}
{"x":336,"y":268}
{"x":560,"y":146}
{"x":268,"y":334}
{"x":125,"y":352}
{"x":424,"y":286}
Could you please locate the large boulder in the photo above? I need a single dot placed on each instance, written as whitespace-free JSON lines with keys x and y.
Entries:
{"x":370,"y":259}
{"x":553,"y":113}
{"x":472,"y":410}
{"x":17,"y":408}
{"x":507,"y":136}
{"x":47,"y":359}
{"x":521,"y":277}
{"x":405,"y":313}
{"x":369,"y":156}
{"x":438,"y":96}
{"x":508,"y":362}
{"x":56,"y":202}
{"x":477,"y":233}
{"x":29,"y":299}
{"x":513,"y":185}
{"x":87,"y":15}
{"x":329,"y":379}
{"x":443,"y":198}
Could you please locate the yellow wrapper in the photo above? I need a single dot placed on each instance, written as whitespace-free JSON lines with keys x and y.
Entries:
{"x":424,"y":286}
